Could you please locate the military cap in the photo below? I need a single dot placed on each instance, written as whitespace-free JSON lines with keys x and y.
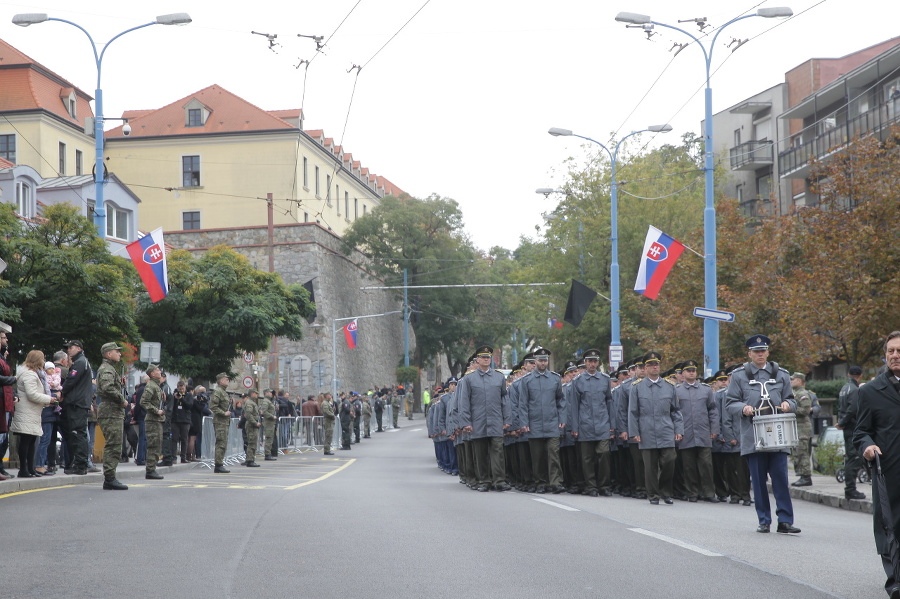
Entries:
{"x":855,"y":370}
{"x":720,"y":375}
{"x":151,"y":369}
{"x":758,"y":342}
{"x":529,"y":357}
{"x":652,"y":357}
{"x":109,"y":347}
{"x":571,"y":365}
{"x":592,"y":353}
{"x":580,"y":363}
{"x":709,"y":379}
{"x":452,"y":381}
{"x":623,"y":369}
{"x":799,"y":375}
{"x":484,"y":350}
{"x":542,"y":354}
{"x":689,"y":364}
{"x":732,"y":368}
{"x":72,"y":342}
{"x":630,"y":365}
{"x":222,"y":375}
{"x":639,"y":360}
{"x":678,"y":367}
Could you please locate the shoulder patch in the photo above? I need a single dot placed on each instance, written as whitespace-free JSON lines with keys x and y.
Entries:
{"x":784,"y":370}
{"x":73,"y":372}
{"x":704,"y":385}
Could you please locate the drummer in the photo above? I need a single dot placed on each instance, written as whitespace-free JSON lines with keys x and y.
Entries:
{"x":749,"y":386}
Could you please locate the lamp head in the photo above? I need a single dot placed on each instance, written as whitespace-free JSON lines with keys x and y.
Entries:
{"x":660,"y":128}
{"x":176,"y":18}
{"x":29,"y":18}
{"x":774,"y":12}
{"x":545,"y":191}
{"x":557,"y":132}
{"x":633,"y":18}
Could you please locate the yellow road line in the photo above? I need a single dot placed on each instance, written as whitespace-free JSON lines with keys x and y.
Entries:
{"x":36,"y":490}
{"x":321,"y":478}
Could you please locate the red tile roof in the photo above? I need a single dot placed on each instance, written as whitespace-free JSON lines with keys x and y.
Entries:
{"x":4,"y":163}
{"x":228,"y":114}
{"x":28,"y":85}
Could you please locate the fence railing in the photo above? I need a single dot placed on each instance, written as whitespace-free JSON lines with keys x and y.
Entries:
{"x":296,"y":434}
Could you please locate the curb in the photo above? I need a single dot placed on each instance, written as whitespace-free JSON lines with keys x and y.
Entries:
{"x":15,"y":485}
{"x":829,"y":499}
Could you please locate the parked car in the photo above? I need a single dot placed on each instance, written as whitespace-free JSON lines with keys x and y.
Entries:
{"x":828,"y":450}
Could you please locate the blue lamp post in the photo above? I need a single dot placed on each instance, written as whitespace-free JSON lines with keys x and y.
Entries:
{"x":615,"y":343}
{"x":710,"y":326}
{"x":26,"y":19}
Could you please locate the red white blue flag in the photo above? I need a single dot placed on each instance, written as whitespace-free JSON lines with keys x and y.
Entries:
{"x":350,"y":334}
{"x":149,"y":257}
{"x":660,"y":254}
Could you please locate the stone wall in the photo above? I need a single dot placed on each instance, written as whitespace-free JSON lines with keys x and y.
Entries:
{"x":304,"y":252}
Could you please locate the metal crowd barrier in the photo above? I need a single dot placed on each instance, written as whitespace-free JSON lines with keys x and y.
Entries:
{"x":234,"y":446}
{"x":295,"y":434}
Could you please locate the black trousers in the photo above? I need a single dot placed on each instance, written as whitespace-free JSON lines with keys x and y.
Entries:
{"x":180,"y":432}
{"x":345,"y":432}
{"x":73,"y":422}
{"x":26,"y":452}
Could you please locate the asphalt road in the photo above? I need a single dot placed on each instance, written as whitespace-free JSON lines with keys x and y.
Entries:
{"x":382,"y":521}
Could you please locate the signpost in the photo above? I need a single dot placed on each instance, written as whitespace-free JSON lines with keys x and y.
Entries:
{"x":714,"y":314}
{"x":248,"y":382}
{"x":615,"y":356}
{"x":150,"y":352}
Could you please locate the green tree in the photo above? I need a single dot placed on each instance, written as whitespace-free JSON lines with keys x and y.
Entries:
{"x":218,"y":306}
{"x":62,"y":283}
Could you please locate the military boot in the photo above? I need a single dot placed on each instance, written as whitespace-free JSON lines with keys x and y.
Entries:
{"x":803,"y":481}
{"x":114,"y":485}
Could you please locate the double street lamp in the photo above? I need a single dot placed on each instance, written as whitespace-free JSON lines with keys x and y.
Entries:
{"x":26,"y":19}
{"x":615,"y":343}
{"x":710,"y":326}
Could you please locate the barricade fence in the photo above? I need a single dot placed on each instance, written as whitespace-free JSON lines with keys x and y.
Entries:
{"x":296,"y":434}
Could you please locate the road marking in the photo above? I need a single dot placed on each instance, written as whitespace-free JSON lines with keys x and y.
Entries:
{"x":36,"y":490}
{"x":413,"y":430}
{"x":321,"y":478}
{"x":393,"y":430}
{"x":673,"y":541}
{"x":554,"y":504}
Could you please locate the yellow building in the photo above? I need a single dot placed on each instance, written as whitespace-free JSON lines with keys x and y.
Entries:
{"x":209,"y":160}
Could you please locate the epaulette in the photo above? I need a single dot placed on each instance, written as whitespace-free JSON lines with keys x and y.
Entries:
{"x":784,"y":371}
{"x":554,"y":372}
{"x":604,"y":374}
{"x":704,"y":384}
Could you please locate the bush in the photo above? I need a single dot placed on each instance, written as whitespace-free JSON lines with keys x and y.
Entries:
{"x":826,"y":388}
{"x":829,"y":457}
{"x":406,"y":375}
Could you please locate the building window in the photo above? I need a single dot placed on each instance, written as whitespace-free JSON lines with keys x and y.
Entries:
{"x":116,"y":222}
{"x":8,"y":147}
{"x":72,"y":104}
{"x":737,"y":137}
{"x":347,"y":205}
{"x":62,"y":158}
{"x":739,"y":192}
{"x":364,"y":209}
{"x":194,"y":117}
{"x":328,"y":189}
{"x":305,"y":174}
{"x":190,"y":220}
{"x":317,"y":181}
{"x":355,"y":208}
{"x":190,"y":171}
{"x":306,"y":217}
{"x":23,"y":200}
{"x":79,"y":162}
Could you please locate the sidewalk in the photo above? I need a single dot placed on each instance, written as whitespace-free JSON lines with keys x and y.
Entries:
{"x":828,"y":491}
{"x":124,"y":473}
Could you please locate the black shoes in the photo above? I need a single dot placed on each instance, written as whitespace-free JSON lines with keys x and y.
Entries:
{"x":270,"y":458}
{"x":482,"y":488}
{"x":803,"y":481}
{"x":654,"y":502}
{"x":221,"y":470}
{"x":734,"y":500}
{"x":746,"y":503}
{"x":347,"y":448}
{"x":762,"y":528}
{"x":591,"y":493}
{"x":712,"y":499}
{"x":503,"y":487}
{"x":785,"y":528}
{"x":693,"y":499}
{"x":854,"y":494}
{"x":668,"y":500}
{"x":153,"y":476}
{"x":328,"y":453}
{"x":605,"y":493}
{"x":114,"y":485}
{"x":163,"y":463}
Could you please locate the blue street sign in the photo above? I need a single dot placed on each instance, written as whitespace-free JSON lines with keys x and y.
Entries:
{"x":714,"y":314}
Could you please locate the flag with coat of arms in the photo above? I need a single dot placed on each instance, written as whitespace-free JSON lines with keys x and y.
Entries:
{"x":660,"y":254}
{"x":350,"y":334}
{"x":149,"y":257}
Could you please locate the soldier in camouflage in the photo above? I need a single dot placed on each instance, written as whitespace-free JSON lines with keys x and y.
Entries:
{"x":220,"y":406}
{"x":111,"y":413}
{"x":268,"y":411}
{"x":327,"y":406}
{"x":804,"y":430}
{"x":152,"y":400}
{"x":251,"y":427}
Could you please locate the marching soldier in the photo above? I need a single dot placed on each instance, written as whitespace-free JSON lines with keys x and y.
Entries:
{"x":111,"y":413}
{"x":748,"y":385}
{"x":593,"y":425}
{"x":700,"y":416}
{"x":251,"y":428}
{"x":542,"y":414}
{"x":220,"y":406}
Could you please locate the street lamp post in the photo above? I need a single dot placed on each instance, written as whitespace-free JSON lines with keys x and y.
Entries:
{"x":334,"y":321}
{"x":615,"y":343}
{"x":710,"y":326}
{"x":26,"y":19}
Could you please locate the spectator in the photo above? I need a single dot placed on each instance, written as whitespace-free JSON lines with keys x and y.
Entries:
{"x":27,"y":420}
{"x":48,"y":418}
{"x":199,"y":409}
{"x":6,"y":400}
{"x":167,"y":451}
{"x":138,"y":418}
{"x":181,"y":420}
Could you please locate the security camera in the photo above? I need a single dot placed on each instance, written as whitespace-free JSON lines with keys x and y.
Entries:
{"x":126,"y":129}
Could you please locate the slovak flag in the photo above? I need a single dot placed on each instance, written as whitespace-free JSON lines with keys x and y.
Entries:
{"x":660,"y":254}
{"x":350,"y":334}
{"x":149,"y":257}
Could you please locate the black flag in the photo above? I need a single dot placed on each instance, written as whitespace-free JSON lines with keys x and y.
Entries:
{"x":312,"y":297}
{"x":580,"y":298}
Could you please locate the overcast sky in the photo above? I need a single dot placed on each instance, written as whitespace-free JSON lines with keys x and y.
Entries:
{"x":459,"y":102}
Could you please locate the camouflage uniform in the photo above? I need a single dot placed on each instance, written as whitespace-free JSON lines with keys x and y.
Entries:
{"x":395,"y":408}
{"x":328,"y":412}
{"x":367,"y":417}
{"x":268,"y":411}
{"x":804,"y":432}
{"x":251,"y":427}
{"x":151,"y":401}
{"x":110,"y":416}
{"x":220,"y":405}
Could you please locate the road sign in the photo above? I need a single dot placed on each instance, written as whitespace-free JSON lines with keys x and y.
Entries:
{"x":248,"y":357}
{"x":248,"y":382}
{"x":150,"y":351}
{"x":714,"y":314}
{"x":2,"y":265}
{"x":615,"y":355}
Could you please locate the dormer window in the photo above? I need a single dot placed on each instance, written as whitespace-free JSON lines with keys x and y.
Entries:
{"x":195,"y":114}
{"x":67,"y":95}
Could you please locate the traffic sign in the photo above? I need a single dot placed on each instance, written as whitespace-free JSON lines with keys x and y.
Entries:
{"x":714,"y":314}
{"x":615,"y":355}
{"x":248,"y":382}
{"x":248,"y":357}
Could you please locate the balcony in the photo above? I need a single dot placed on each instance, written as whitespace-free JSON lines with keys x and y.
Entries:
{"x":794,"y":163}
{"x":751,"y":155}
